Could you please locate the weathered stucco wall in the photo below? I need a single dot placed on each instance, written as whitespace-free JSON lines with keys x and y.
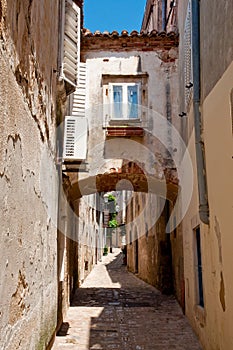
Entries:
{"x":150,"y":256}
{"x":160,"y":255}
{"x":28,"y":180}
{"x":160,"y":101}
{"x":90,"y":236}
{"x":212,"y":322}
{"x":217,"y":113}
{"x":216,"y":41}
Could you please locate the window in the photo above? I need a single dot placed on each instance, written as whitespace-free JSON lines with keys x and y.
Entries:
{"x":125,"y":99}
{"x":199,"y":266}
{"x":70,"y":44}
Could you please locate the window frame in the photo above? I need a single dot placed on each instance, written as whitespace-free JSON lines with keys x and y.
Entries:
{"x":125,"y":102}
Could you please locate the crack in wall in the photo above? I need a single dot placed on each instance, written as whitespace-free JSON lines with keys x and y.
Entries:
{"x":39,"y":127}
{"x":218,"y":234}
{"x":2,"y":174}
{"x":222,"y":292}
{"x":28,"y":17}
{"x":15,"y":139}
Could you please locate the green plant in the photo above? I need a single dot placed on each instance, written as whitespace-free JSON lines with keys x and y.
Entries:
{"x":111,"y":198}
{"x":105,"y":250}
{"x":113,"y":223}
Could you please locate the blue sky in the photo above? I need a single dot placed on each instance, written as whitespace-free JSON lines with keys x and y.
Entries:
{"x":113,"y":15}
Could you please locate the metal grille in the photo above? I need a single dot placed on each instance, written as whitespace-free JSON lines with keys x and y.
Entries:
{"x":75,"y":138}
{"x":69,"y":137}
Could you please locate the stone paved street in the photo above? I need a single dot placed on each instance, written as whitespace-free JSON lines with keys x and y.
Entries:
{"x":115,"y":310}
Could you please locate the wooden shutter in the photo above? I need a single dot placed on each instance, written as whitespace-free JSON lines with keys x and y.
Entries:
{"x":75,"y":138}
{"x":106,"y":105}
{"x":79,"y":99}
{"x":71,"y":42}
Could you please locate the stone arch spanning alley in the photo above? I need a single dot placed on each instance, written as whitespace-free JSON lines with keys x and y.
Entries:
{"x":166,"y":187}
{"x":132,"y":178}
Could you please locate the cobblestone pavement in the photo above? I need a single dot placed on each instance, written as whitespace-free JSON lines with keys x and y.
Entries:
{"x":115,"y":310}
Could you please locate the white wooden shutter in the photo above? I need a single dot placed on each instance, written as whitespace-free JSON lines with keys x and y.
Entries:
{"x":188,"y":75}
{"x":79,"y":99}
{"x":75,"y":138}
{"x":71,"y":42}
{"x":106,"y":105}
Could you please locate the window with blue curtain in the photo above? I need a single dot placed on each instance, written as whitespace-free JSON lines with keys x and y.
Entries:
{"x":125,"y":101}
{"x":117,"y":100}
{"x":132,"y":111}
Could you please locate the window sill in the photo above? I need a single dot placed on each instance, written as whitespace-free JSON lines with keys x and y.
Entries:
{"x":124,"y":131}
{"x":124,"y":121}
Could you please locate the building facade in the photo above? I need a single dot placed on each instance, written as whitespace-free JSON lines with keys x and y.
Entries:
{"x":85,"y":115}
{"x":35,"y":81}
{"x":134,"y":141}
{"x":205,"y":61}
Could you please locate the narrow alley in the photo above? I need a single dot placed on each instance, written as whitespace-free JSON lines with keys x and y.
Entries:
{"x":114,"y":309}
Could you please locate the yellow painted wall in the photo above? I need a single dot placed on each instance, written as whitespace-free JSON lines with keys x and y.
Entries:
{"x":213,"y":323}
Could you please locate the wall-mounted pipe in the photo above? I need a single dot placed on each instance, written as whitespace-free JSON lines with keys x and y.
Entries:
{"x":200,"y":152}
{"x":164,"y":14}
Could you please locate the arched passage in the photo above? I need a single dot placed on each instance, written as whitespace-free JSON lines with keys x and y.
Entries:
{"x":165,"y":188}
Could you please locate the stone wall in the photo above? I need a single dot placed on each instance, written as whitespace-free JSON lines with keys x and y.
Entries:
{"x":28,"y":177}
{"x":156,"y":256}
{"x":90,"y":235}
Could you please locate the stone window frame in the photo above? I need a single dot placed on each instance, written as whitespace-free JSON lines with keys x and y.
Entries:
{"x":111,"y":79}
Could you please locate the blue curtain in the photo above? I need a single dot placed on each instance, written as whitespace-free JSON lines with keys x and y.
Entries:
{"x":132,"y":101}
{"x":117,"y":100}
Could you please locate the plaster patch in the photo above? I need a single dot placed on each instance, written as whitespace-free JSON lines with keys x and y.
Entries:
{"x":17,"y":304}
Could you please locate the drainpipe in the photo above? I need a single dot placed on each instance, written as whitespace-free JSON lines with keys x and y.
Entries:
{"x":164,"y":15}
{"x":201,"y":169}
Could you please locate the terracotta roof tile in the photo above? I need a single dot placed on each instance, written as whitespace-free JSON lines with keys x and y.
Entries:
{"x":125,"y":33}
{"x":125,"y":41}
